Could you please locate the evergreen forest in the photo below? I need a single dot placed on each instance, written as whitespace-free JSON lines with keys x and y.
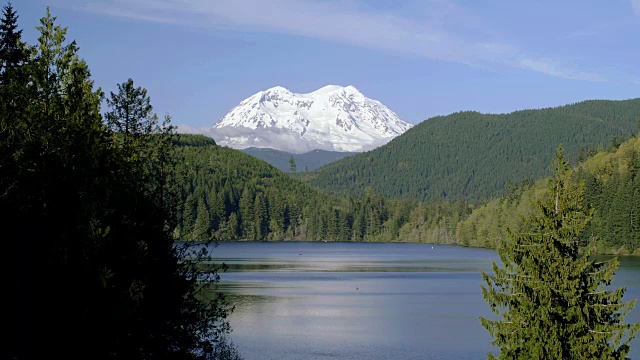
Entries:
{"x":473,"y":156}
{"x":229,"y":195}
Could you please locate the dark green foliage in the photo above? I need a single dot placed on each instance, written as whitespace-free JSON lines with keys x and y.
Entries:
{"x":249,"y":199}
{"x":130,"y":114}
{"x":433,"y":222}
{"x":474,"y":156}
{"x":308,"y":161}
{"x":292,"y":164}
{"x":612,"y":188}
{"x":12,"y":51}
{"x":146,"y":144}
{"x":91,"y":269}
{"x":193,"y":140}
{"x":551,"y":301}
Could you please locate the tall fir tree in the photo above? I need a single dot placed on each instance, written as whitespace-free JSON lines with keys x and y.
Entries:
{"x":292,"y":164}
{"x":201,"y":230}
{"x":12,"y":50}
{"x":130,"y":114}
{"x":147,"y":143}
{"x":552,"y":302}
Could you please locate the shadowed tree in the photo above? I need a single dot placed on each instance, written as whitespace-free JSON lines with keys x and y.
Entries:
{"x":12,"y":49}
{"x":93,"y":272}
{"x":130,"y":114}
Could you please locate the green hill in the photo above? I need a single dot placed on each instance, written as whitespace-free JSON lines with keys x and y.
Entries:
{"x":612,"y":188}
{"x":475,"y":156}
{"x":226,"y":194}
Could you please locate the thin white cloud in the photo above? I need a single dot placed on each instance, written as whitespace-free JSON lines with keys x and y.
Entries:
{"x":549,"y":68}
{"x":434,"y":32}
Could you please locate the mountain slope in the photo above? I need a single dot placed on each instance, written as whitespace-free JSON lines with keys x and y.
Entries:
{"x":332,"y":118}
{"x":304,"y":162}
{"x":612,"y":188}
{"x":473,"y":155}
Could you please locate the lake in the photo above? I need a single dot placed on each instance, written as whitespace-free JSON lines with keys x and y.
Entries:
{"x":328,"y":300}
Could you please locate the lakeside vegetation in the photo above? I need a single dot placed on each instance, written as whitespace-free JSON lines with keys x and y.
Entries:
{"x":92,"y":270}
{"x":612,"y":188}
{"x":552,"y":301}
{"x":228,"y":195}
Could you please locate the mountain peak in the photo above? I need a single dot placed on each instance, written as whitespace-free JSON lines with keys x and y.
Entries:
{"x":328,"y":88}
{"x":351,"y":88}
{"x":331,"y":118}
{"x":277,"y":89}
{"x":336,"y":88}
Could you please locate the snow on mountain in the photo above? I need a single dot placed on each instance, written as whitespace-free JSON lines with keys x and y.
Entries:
{"x":332,"y":118}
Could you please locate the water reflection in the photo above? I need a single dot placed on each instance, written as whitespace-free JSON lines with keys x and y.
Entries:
{"x":363,"y":300}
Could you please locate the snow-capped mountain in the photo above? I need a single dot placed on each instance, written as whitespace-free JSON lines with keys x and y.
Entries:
{"x":332,"y":118}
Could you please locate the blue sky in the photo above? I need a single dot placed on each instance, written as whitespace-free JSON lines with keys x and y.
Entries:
{"x":421,"y":58}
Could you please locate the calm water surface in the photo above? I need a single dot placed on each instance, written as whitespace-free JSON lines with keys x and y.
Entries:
{"x":364,"y":300}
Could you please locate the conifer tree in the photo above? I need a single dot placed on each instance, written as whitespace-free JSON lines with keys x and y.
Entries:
{"x":261,"y":217}
{"x":12,"y":51}
{"x":131,"y":114}
{"x":247,"y":215}
{"x":292,"y":164}
{"x":551,"y":301}
{"x":201,"y":229}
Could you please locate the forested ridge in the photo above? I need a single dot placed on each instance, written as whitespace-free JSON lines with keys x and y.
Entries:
{"x":473,"y":156}
{"x":612,"y":188}
{"x":229,"y":195}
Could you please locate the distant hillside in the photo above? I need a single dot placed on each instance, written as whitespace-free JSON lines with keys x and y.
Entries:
{"x":474,"y":156}
{"x":304,"y":162}
{"x":612,"y":187}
